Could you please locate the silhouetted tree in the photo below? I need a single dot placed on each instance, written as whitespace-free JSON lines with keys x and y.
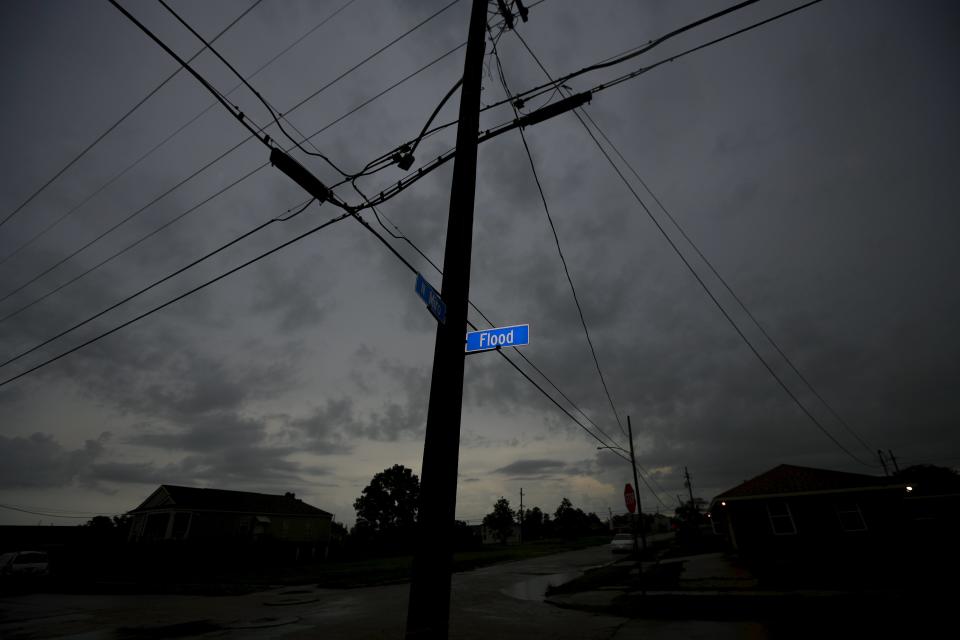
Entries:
{"x":501,"y":519}
{"x":387,"y":507}
{"x":464,"y":536}
{"x":572,"y":522}
{"x":533,"y":527}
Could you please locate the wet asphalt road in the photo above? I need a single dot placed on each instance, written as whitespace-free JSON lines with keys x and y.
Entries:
{"x":501,"y":601}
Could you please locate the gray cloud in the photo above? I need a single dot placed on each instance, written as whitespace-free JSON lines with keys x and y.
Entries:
{"x":816,"y":176}
{"x":39,"y":461}
{"x":532,"y":467}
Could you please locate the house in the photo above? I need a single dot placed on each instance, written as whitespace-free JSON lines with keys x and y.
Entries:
{"x":796,"y":512}
{"x":489,"y":535}
{"x":218,"y":516}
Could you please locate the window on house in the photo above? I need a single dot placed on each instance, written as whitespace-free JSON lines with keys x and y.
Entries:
{"x":851,"y":519}
{"x":181,"y":522}
{"x":156,"y":527}
{"x":781,"y":520}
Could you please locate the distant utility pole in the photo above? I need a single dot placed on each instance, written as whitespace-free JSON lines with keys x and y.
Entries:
{"x":689,"y":486}
{"x":521,"y":515}
{"x":636,"y":483}
{"x":883,"y":462}
{"x":896,"y":467}
{"x":428,"y":612}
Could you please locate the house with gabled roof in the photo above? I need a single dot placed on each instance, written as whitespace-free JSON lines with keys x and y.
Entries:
{"x":191,"y":514}
{"x":792,"y":510}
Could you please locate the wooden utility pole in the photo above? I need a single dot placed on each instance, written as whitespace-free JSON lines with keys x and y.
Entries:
{"x":896,"y":467}
{"x":428,"y":611}
{"x":521,"y":516}
{"x":636,"y":484}
{"x":689,"y":485}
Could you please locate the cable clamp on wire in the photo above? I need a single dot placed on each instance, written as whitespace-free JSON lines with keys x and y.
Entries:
{"x":296,"y":172}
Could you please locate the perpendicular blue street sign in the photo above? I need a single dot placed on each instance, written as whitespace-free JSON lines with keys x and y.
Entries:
{"x":434,"y":302}
{"x":515,"y":336}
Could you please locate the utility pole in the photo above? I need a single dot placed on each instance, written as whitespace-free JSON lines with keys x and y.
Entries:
{"x":883,"y":462}
{"x":636,"y":483}
{"x":610,"y":511}
{"x":896,"y":467}
{"x":689,"y":486}
{"x":428,"y":611}
{"x":521,"y":515}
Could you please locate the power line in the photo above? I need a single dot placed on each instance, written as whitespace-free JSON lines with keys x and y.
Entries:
{"x":563,"y":260}
{"x":172,"y":135}
{"x":552,"y":86}
{"x":413,"y":269}
{"x":116,"y":124}
{"x":733,"y":34}
{"x":249,"y":86}
{"x":38,"y":513}
{"x":700,"y":280}
{"x":555,"y":85}
{"x":193,"y":175}
{"x":730,"y":290}
{"x":119,"y":224}
{"x":294,"y":211}
{"x":399,"y":235}
{"x":177,"y":298}
{"x":234,"y":111}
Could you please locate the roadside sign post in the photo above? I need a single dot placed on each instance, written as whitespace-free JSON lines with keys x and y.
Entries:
{"x":643,"y":535}
{"x":630,"y":498}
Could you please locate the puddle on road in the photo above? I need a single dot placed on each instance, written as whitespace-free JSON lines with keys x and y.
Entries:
{"x":536,"y":588}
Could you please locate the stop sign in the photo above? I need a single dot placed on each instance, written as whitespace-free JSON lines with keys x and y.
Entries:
{"x":630,"y":498}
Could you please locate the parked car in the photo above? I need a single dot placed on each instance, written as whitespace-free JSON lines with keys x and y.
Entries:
{"x":622,"y":543}
{"x":25,"y":563}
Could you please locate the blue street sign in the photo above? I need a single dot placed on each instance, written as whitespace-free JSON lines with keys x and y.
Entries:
{"x":515,"y":336}
{"x":434,"y":302}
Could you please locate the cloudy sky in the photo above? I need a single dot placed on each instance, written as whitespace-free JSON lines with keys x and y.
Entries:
{"x":811,"y":160}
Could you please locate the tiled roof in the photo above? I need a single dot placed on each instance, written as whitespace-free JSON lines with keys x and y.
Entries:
{"x":787,"y":478}
{"x":232,"y":501}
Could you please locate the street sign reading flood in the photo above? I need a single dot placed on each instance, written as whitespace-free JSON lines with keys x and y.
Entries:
{"x":430,"y":296}
{"x":515,"y":336}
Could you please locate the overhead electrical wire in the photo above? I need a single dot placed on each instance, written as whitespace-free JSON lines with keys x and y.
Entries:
{"x":871,"y":449}
{"x":116,"y":124}
{"x":399,"y":235}
{"x":556,"y":239}
{"x":214,"y":161}
{"x":293,"y":212}
{"x":119,"y":224}
{"x":413,"y":270}
{"x":193,"y":208}
{"x":161,"y":306}
{"x":813,"y":419}
{"x":554,"y":85}
{"x":171,"y":135}
{"x":242,"y":118}
{"x":246,"y":83}
{"x":46,"y":515}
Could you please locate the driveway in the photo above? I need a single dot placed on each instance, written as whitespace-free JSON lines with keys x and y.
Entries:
{"x":501,"y":601}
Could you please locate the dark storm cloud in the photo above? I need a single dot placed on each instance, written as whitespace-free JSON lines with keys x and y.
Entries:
{"x":328,"y":428}
{"x":39,"y":461}
{"x":811,"y":160}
